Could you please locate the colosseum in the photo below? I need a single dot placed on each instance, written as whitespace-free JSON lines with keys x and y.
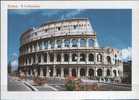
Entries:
{"x":69,"y":47}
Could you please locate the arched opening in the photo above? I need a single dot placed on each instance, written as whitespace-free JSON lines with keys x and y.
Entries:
{"x":52,"y":43}
{"x":46,"y":44}
{"x":51,"y":55}
{"x":91,"y":57}
{"x":91,"y":73}
{"x":109,"y":59}
{"x":83,"y":43}
{"x":67,"y":43}
{"x":108,"y":72}
{"x":40,"y":46}
{"x":51,"y":72}
{"x":66,"y":57}
{"x":59,"y":43}
{"x":39,"y":58}
{"x":82,"y":57}
{"x":82,"y":72}
{"x":45,"y":57}
{"x":74,"y":72}
{"x":66,"y":72}
{"x":58,"y":72}
{"x":58,"y":57}
{"x":74,"y":43}
{"x":44,"y":71}
{"x":38,"y":71}
{"x":114,"y":72}
{"x":90,"y":42}
{"x":29,"y":71}
{"x":74,"y":57}
{"x":99,"y":72}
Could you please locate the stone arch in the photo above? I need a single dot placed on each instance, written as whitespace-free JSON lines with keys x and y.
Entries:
{"x":82,"y":72}
{"x":44,"y":71}
{"x":51,"y":71}
{"x":115,"y":73}
{"x":109,"y":59}
{"x":82,"y":42}
{"x":90,"y":42}
{"x":73,"y":71}
{"x":74,"y":42}
{"x":74,"y":57}
{"x":66,"y":72}
{"x":99,"y":72}
{"x":58,"y":71}
{"x":91,"y":72}
{"x":108,"y":72}
{"x":91,"y":57}
{"x":82,"y":57}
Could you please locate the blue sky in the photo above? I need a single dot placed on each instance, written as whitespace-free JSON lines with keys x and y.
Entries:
{"x":113,"y":26}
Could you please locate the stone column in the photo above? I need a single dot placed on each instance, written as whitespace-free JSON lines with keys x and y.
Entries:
{"x":55,"y":58}
{"x":37,"y":46}
{"x":42,"y":60}
{"x":33,"y":48}
{"x":32,"y":60}
{"x":36,"y":60}
{"x":70,"y":45}
{"x":104,"y":72}
{"x":117,"y":73}
{"x":62,"y":57}
{"x":35,"y":72}
{"x":78,"y":57}
{"x":70,"y":72}
{"x":78,"y":72}
{"x":48,"y":60}
{"x":95,"y":71}
{"x":62,"y":72}
{"x":54,"y":71}
{"x":62,"y":43}
{"x":87,"y":43}
{"x":41,"y":72}
{"x":87,"y":58}
{"x":70,"y":57}
{"x":78,"y":43}
{"x":87,"y":72}
{"x":95,"y":58}
{"x":48,"y":74}
{"x":55,"y":43}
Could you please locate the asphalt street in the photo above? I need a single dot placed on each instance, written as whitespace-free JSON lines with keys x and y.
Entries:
{"x":15,"y":85}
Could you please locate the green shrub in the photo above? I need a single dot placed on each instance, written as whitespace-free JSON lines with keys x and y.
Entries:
{"x":70,"y":85}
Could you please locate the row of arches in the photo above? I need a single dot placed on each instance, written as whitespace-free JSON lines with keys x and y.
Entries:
{"x":45,"y":44}
{"x":82,"y":72}
{"x":74,"y":57}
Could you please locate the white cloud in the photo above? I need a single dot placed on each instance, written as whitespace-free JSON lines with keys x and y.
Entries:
{"x":72,"y":14}
{"x":14,"y":62}
{"x":126,"y":54}
{"x":14,"y":65}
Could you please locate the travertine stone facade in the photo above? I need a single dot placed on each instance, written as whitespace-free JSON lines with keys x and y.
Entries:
{"x":67,"y":48}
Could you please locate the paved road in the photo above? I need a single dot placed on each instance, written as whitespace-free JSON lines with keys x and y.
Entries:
{"x":112,"y":87}
{"x":15,"y":85}
{"x":45,"y":88}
